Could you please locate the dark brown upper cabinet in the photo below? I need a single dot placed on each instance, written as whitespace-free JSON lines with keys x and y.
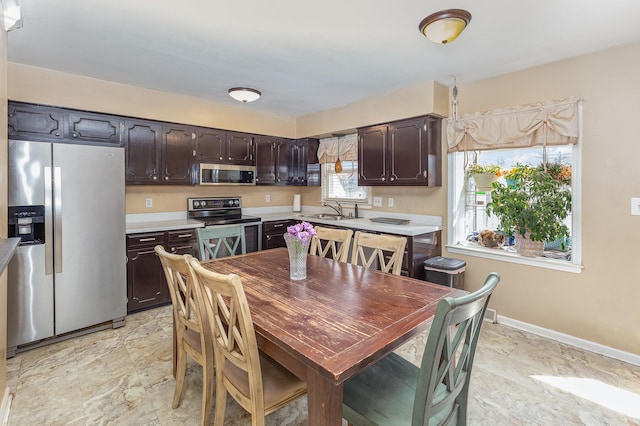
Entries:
{"x":158,"y":153}
{"x":281,"y":161}
{"x":35,"y":122}
{"x":178,"y":154}
{"x":210,"y":145}
{"x":240,"y":148}
{"x":143,"y":152}
{"x":52,"y":124}
{"x":99,"y":128}
{"x":265,"y":154}
{"x":405,"y":152}
{"x":221,"y":146}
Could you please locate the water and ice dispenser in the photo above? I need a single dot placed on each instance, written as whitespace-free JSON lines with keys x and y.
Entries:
{"x":27,"y":223}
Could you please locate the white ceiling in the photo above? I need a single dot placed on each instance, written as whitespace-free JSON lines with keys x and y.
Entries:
{"x":306,"y":56}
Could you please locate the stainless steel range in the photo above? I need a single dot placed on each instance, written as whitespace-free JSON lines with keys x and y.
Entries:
{"x":219,"y":211}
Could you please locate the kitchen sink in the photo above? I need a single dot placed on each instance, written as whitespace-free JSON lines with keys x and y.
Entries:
{"x":326,"y":216}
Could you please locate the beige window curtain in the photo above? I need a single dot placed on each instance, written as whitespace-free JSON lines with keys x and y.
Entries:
{"x":328,"y":149}
{"x":545,"y":123}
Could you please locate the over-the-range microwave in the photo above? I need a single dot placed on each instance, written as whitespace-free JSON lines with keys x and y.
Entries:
{"x":226,"y":174}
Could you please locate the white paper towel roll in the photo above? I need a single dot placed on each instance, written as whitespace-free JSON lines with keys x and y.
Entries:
{"x":296,"y":203}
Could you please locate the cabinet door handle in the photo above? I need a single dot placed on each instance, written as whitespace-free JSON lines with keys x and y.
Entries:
{"x":57,"y":133}
{"x":392,"y":178}
{"x":278,"y":225}
{"x":75,"y":135}
{"x":229,"y":158}
{"x":268,"y":237}
{"x":166,"y":178}
{"x":383,"y":178}
{"x":221,"y":158}
{"x":145,"y":252}
{"x":143,"y":240}
{"x":185,"y":235}
{"x":155,"y":178}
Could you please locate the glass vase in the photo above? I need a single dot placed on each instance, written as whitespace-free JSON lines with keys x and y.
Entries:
{"x":297,"y":257}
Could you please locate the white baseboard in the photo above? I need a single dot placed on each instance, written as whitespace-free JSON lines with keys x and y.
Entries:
{"x":5,"y":406}
{"x":571,"y":340}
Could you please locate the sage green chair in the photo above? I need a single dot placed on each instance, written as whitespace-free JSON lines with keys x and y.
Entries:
{"x":221,"y":241}
{"x":395,"y":392}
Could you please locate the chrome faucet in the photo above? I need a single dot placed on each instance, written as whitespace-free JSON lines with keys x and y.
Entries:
{"x":337,"y":209}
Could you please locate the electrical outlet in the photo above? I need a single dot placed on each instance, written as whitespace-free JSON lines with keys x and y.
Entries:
{"x":148,"y":202}
{"x":390,"y":202}
{"x":635,"y":206}
{"x":267,"y":198}
{"x":377,"y":201}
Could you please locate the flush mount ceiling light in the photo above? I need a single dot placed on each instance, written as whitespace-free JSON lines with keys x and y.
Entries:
{"x":445,"y":26}
{"x":244,"y":94}
{"x":12,"y":15}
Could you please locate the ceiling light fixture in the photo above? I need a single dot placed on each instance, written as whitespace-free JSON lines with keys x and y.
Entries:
{"x":244,"y":94}
{"x":445,"y":26}
{"x":12,"y":14}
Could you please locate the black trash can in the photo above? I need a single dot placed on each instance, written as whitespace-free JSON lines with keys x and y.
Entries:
{"x":445,"y":271}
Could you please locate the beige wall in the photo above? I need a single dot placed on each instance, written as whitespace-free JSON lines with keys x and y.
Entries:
{"x":3,"y":204}
{"x":39,"y":85}
{"x":599,"y":304}
{"x":419,"y":99}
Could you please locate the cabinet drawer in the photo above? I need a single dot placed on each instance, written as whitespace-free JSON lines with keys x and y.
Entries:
{"x":183,"y":235}
{"x":146,"y":239}
{"x":277,"y":225}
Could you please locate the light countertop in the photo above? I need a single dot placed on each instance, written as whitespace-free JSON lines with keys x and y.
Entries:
{"x":8,"y":247}
{"x":157,"y":222}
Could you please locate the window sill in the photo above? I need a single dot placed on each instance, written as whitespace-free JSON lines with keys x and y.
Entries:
{"x":493,"y":254}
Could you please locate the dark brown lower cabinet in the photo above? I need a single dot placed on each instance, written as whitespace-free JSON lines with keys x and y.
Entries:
{"x":146,"y":283}
{"x":273,"y":233}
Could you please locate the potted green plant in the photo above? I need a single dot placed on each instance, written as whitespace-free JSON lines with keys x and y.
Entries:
{"x":483,"y":175}
{"x":533,"y":207}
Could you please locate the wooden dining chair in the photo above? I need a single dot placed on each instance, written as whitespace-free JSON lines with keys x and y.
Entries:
{"x":258,"y":384}
{"x":190,"y":325}
{"x":387,"y":250}
{"x":336,"y":240}
{"x":221,"y":241}
{"x":395,"y":392}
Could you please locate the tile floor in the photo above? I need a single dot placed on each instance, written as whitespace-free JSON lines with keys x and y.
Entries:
{"x":123,"y":377}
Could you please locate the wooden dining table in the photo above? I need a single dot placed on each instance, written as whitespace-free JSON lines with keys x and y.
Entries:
{"x":335,"y":323}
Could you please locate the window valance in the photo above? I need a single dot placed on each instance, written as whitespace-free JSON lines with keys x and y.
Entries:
{"x":545,"y":123}
{"x":348,"y":145}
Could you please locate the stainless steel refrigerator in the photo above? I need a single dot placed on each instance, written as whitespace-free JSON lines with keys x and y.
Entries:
{"x":70,"y":273}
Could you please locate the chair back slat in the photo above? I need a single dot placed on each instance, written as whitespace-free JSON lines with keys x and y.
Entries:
{"x":369,"y":248}
{"x":229,"y":238}
{"x":335,"y":240}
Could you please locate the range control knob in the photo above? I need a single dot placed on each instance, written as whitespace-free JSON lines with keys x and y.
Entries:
{"x":237,"y":202}
{"x":196,"y":204}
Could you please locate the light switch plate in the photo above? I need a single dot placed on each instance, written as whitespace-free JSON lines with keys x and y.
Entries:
{"x":635,"y":206}
{"x":390,"y":202}
{"x":377,"y":201}
{"x":148,"y":202}
{"x":267,"y":198}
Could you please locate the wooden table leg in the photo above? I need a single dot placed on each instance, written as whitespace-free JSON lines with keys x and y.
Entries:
{"x":324,"y":399}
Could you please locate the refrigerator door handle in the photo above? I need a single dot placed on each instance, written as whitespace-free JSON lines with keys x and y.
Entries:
{"x":48,"y":226}
{"x":57,"y":217}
